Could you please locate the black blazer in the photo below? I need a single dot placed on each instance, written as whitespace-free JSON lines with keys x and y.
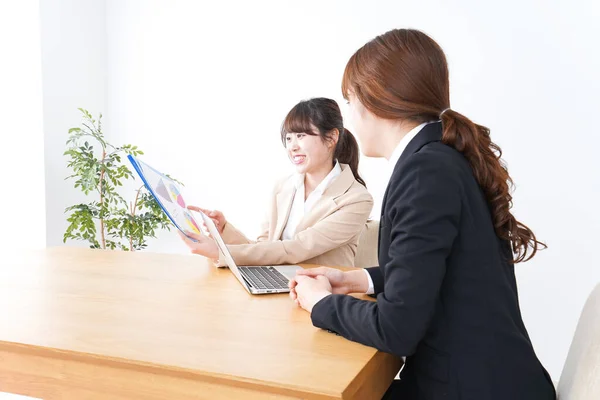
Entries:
{"x":446,"y":292}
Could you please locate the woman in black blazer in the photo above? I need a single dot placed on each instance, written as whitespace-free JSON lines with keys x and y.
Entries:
{"x":445,"y":285}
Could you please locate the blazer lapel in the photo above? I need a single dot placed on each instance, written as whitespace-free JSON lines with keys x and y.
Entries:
{"x":316,"y":213}
{"x":336,"y":188}
{"x":285,"y":199}
{"x":430,"y":133}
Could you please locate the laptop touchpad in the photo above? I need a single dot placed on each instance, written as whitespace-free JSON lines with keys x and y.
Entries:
{"x":289,"y":271}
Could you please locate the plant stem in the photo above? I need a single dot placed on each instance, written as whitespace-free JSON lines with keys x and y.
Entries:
{"x":108,"y":155}
{"x":133,"y":207}
{"x":103,"y":240}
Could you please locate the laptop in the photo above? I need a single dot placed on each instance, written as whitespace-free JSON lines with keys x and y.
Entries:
{"x":256,"y":279}
{"x":166,"y":191}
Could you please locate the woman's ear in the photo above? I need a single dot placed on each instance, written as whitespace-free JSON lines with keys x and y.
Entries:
{"x":335,"y":136}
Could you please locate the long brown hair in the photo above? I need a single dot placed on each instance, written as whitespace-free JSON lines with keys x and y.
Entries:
{"x":325,"y":115}
{"x":403,"y":74}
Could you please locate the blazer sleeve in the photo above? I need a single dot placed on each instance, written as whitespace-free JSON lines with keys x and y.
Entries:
{"x":335,"y":230}
{"x":377,"y":277}
{"x":424,"y":206}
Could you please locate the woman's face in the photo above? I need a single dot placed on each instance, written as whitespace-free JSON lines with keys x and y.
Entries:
{"x":309,"y":153}
{"x":365,"y":126}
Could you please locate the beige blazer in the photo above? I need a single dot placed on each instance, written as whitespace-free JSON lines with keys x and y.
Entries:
{"x":327,"y":235}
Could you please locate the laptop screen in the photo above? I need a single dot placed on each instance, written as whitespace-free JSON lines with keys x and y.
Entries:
{"x":214,"y":232}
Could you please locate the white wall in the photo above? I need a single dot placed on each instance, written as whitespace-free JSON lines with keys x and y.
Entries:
{"x":22,"y":159}
{"x":74,"y":75}
{"x":203,"y":87}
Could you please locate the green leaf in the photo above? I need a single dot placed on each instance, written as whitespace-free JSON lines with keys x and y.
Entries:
{"x":107,"y":177}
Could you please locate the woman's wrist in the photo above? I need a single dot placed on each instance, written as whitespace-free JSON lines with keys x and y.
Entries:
{"x":357,"y":281}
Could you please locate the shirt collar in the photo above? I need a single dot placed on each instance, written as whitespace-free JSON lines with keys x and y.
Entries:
{"x":397,"y":153}
{"x":334,"y":173}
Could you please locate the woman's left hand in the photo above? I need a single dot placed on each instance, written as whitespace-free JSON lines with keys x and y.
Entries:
{"x":204,"y":245}
{"x":307,"y":291}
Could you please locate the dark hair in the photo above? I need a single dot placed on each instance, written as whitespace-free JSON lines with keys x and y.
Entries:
{"x":403,"y":74}
{"x":325,"y":115}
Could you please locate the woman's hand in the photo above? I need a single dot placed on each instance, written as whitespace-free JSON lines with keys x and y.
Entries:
{"x":217,"y":217}
{"x":204,"y":245}
{"x":308,"y":291}
{"x":341,"y":282}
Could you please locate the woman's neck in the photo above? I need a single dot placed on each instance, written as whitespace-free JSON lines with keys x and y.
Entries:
{"x":394,"y":133}
{"x":313,"y":178}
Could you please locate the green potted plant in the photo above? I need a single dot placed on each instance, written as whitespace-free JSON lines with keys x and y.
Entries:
{"x":109,"y":221}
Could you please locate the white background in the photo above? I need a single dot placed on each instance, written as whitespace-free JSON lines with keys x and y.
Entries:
{"x":23,"y":220}
{"x":202,"y":88}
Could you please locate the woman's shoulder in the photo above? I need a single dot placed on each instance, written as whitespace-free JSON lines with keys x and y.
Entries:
{"x":359,"y":192}
{"x":356,"y":191}
{"x":435,"y":159}
{"x":435,"y":167}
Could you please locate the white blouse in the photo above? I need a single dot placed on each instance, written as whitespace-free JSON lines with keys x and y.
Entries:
{"x":301,"y":207}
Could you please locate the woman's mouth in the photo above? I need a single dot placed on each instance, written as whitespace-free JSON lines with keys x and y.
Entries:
{"x":298,"y":159}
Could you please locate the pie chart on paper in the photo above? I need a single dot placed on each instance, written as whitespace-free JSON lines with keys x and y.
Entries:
{"x":191,"y":223}
{"x":161,"y":189}
{"x":176,"y":196}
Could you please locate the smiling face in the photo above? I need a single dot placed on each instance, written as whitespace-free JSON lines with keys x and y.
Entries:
{"x":308,"y":152}
{"x":310,"y":133}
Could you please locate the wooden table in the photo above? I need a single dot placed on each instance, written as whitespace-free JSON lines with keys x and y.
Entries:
{"x":91,"y":324}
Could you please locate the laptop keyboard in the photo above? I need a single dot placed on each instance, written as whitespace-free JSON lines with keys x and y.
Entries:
{"x":264,"y":277}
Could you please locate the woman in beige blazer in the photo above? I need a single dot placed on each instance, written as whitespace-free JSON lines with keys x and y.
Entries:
{"x":317,"y":214}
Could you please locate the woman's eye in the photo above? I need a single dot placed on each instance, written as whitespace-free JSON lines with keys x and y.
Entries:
{"x":300,"y":135}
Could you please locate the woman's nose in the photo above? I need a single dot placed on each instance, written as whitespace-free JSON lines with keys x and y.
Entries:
{"x":293,"y":144}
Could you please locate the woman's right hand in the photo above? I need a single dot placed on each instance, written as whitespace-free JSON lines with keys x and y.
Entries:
{"x":354,"y":281}
{"x":217,"y":217}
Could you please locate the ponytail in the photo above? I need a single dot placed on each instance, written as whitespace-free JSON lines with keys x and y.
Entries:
{"x":347,"y":152}
{"x":403,"y":75}
{"x":484,"y":156}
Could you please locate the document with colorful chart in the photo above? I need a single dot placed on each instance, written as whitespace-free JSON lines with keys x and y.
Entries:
{"x":168,"y":195}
